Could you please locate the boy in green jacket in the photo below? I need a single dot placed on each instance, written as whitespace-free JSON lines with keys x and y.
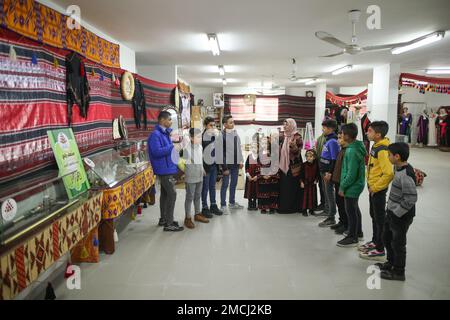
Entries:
{"x":352,"y":183}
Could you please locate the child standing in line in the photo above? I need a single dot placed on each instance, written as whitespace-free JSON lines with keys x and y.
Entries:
{"x":379,"y":175}
{"x":352,"y":183}
{"x":194,"y":173}
{"x":309,"y":178}
{"x":252,"y":170}
{"x":268,"y":180}
{"x":401,"y":210}
{"x":342,"y":225}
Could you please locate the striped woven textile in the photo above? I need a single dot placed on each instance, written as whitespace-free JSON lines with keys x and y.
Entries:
{"x":301,"y":109}
{"x":33,"y":100}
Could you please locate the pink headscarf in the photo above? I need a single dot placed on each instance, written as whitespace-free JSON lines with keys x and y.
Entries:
{"x":289,"y":136}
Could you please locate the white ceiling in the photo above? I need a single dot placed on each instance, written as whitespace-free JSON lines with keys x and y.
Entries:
{"x":259,"y":37}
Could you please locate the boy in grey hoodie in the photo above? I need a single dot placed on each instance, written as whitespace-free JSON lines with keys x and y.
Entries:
{"x":401,"y":209}
{"x":194,"y":173}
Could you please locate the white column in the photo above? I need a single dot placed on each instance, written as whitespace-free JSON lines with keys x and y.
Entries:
{"x":385,"y":96}
{"x":321,"y":102}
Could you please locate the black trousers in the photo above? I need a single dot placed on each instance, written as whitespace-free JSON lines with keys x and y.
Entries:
{"x":354,"y":217}
{"x":378,"y":215}
{"x":395,"y":230}
{"x":321,"y":192}
{"x":340,"y":201}
{"x":252,"y":203}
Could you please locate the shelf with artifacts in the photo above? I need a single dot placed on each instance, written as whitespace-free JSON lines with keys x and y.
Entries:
{"x":123,"y":185}
{"x":39,"y":225}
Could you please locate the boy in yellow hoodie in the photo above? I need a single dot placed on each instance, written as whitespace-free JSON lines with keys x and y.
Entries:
{"x":380,"y":174}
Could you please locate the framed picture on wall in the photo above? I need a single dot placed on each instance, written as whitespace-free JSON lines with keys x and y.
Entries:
{"x":218,"y":100}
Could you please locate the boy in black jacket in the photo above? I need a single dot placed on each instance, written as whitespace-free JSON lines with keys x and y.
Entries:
{"x":401,"y":209}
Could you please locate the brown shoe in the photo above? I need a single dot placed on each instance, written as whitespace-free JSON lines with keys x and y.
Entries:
{"x":201,"y":218}
{"x":188,"y":223}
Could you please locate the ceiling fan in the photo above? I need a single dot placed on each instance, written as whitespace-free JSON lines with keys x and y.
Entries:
{"x":293,"y":77}
{"x":354,"y":48}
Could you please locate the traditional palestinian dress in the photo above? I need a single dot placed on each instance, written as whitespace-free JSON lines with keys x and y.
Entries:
{"x":252,"y":168}
{"x":442,"y":124}
{"x":405,"y":125}
{"x":268,"y":189}
{"x":422,"y":124}
{"x":310,"y":177}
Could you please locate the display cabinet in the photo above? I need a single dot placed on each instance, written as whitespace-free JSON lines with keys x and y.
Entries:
{"x":133,"y":151}
{"x":25,"y":205}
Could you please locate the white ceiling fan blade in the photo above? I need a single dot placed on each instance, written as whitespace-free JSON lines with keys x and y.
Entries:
{"x":324,"y":36}
{"x":380,"y":47}
{"x":333,"y":55}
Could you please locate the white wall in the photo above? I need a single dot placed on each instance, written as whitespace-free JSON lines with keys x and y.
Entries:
{"x":432,"y":99}
{"x":351,"y":90}
{"x":205,"y":93}
{"x":127,"y":55}
{"x":165,"y":74}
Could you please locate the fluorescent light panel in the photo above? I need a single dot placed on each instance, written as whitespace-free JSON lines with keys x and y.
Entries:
{"x":420,"y":43}
{"x":214,"y":44}
{"x":311,"y":82}
{"x":342,"y":70}
{"x":438,"y":71}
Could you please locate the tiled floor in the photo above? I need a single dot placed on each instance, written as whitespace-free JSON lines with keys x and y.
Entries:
{"x":247,"y":255}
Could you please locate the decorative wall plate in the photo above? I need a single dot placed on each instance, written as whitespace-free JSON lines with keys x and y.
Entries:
{"x":127,"y":86}
{"x":116,"y":130}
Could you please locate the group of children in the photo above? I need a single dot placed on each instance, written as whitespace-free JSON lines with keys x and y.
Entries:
{"x":340,"y":167}
{"x":343,"y":170}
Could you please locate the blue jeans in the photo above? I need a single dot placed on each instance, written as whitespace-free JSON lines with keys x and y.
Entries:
{"x":234,"y":174}
{"x":330,"y":199}
{"x":209,"y":184}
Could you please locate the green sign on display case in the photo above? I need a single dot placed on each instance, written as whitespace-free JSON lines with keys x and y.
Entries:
{"x":69,"y":160}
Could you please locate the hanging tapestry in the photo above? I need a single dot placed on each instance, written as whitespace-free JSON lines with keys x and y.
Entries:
{"x":45,"y":25}
{"x":425,"y":84}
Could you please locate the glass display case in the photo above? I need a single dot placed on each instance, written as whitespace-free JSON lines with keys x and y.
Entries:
{"x":134,"y":151}
{"x":27,"y":204}
{"x":108,"y":169}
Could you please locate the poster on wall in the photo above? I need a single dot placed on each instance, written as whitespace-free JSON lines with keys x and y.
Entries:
{"x":218,"y":100}
{"x":68,"y":158}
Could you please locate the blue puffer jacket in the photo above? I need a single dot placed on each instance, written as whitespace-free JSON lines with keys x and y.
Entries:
{"x":160,"y":149}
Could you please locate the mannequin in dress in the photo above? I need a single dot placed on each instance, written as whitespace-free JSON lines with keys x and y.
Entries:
{"x":442,"y":123}
{"x":422,"y":124}
{"x":432,"y":139}
{"x":405,"y":126}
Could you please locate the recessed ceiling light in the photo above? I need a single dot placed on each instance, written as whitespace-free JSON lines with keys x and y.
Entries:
{"x":438,"y":71}
{"x":435,"y":36}
{"x":224,"y":82}
{"x":214,"y":44}
{"x":342,"y":70}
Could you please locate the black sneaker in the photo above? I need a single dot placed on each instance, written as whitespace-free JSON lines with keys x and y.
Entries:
{"x":173,"y":228}
{"x":340,"y":230}
{"x":393,"y":275}
{"x":336,"y":226}
{"x":320,"y":208}
{"x":384,"y":266}
{"x":207,"y":213}
{"x":161,"y":223}
{"x":328,"y":222}
{"x":348,"y":242}
{"x":272,"y":211}
{"x":263,"y":211}
{"x":305,"y":213}
{"x":215,"y":210}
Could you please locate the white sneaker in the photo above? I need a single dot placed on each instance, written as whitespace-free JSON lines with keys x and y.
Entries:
{"x":235,"y":206}
{"x":224,"y":209}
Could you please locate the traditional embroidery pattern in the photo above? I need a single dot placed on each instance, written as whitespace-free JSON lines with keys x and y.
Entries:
{"x":24,"y":264}
{"x":119,"y":199}
{"x":39,"y":22}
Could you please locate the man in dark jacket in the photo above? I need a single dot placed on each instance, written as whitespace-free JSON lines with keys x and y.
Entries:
{"x":164,"y":160}
{"x":209,"y":164}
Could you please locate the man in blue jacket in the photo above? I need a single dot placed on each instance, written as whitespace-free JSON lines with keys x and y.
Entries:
{"x":164,"y":160}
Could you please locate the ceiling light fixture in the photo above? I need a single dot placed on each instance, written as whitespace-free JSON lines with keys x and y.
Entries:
{"x":342,"y":70}
{"x":221,"y":70}
{"x":214,"y":44}
{"x":428,"y":39}
{"x":311,"y":82}
{"x":224,"y":81}
{"x":438,"y":71}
